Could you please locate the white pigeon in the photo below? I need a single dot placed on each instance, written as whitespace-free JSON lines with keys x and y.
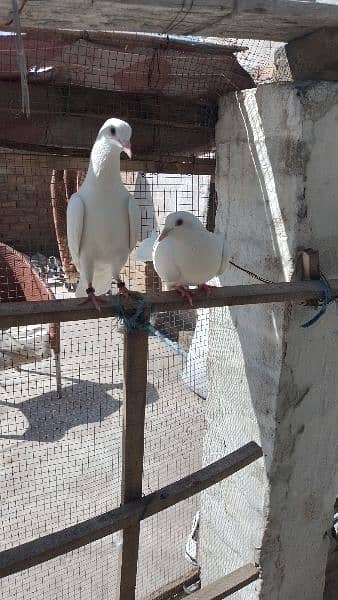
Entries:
{"x":186,"y":254}
{"x":144,"y":252}
{"x":103,"y":219}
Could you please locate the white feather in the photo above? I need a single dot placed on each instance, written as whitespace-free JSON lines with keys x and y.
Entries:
{"x":134,"y":222}
{"x":144,"y":252}
{"x":75,"y":213}
{"x":103,"y":220}
{"x":189,"y":254}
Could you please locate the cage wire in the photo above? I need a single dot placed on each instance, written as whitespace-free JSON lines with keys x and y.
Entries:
{"x":61,"y":456}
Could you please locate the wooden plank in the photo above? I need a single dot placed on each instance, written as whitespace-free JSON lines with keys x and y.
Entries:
{"x":282,"y":20}
{"x":135,"y":393}
{"x":224,"y":587}
{"x":74,"y":136}
{"x":169,"y":591}
{"x":52,"y":98}
{"x":122,"y":40}
{"x":312,"y":57}
{"x":212,"y":205}
{"x":66,"y":120}
{"x":73,"y":309}
{"x":38,"y":551}
{"x":44,"y":160}
{"x":311,"y":268}
{"x":63,"y":134}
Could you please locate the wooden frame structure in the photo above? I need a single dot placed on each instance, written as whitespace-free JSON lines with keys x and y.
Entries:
{"x":72,"y":309}
{"x":167,"y":90}
{"x":136,"y":507}
{"x":282,"y":20}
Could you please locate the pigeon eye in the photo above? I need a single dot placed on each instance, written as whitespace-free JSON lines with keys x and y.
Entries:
{"x":179,"y":222}
{"x":113,"y":130}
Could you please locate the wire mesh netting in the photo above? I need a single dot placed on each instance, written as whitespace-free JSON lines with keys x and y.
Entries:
{"x":62,"y":456}
{"x":61,"y":389}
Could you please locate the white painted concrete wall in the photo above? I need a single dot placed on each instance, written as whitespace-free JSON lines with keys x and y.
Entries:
{"x":269,"y":379}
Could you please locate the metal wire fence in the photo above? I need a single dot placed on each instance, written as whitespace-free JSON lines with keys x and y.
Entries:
{"x":61,"y":446}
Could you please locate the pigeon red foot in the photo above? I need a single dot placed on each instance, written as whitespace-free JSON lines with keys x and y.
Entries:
{"x":91,"y":297}
{"x":184,"y":292}
{"x":206,"y":288}
{"x":123,"y":290}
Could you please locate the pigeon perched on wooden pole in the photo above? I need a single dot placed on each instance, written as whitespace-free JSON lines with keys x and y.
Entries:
{"x":186,"y":254}
{"x":103,"y":218}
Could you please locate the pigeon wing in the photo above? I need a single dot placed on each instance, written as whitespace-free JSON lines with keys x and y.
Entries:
{"x":75,"y":216}
{"x":144,"y":252}
{"x":134,"y":222}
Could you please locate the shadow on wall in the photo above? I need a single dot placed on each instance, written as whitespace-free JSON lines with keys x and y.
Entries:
{"x":49,"y":418}
{"x":256,"y":373}
{"x":242,"y":343}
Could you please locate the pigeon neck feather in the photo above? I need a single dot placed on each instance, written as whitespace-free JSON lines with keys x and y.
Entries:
{"x":104,"y":163}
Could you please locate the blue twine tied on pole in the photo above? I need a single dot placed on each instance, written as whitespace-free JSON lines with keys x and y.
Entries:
{"x":324,"y":302}
{"x":136,"y":321}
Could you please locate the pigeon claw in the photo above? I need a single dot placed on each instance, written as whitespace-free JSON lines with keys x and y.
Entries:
{"x":94,"y":300}
{"x":91,"y":297}
{"x":123,"y":290}
{"x":184,"y":292}
{"x":206,"y":288}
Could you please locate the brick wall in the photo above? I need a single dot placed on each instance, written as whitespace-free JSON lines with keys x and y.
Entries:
{"x":26,"y":220}
{"x":25,"y":210}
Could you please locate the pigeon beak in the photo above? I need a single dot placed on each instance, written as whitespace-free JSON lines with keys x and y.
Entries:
{"x":126,"y":148}
{"x":162,"y":235}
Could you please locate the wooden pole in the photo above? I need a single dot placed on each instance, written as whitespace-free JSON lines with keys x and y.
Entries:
{"x":311,"y":268}
{"x":52,"y":545}
{"x":72,"y":309}
{"x":58,"y":159}
{"x":122,"y":40}
{"x":229,"y":584}
{"x":135,"y":392}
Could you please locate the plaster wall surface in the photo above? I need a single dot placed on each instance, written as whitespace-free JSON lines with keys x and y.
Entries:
{"x":271,"y":380}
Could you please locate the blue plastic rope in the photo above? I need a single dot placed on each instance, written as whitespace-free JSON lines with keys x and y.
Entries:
{"x":135,"y":321}
{"x":323,"y":302}
{"x":170,"y":343}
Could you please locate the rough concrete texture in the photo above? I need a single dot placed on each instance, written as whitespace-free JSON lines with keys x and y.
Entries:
{"x":269,"y":379}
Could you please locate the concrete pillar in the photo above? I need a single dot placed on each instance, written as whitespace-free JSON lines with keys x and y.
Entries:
{"x":269,"y":379}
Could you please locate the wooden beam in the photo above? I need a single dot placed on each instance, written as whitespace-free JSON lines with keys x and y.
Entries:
{"x":312,"y":57}
{"x":224,"y":587}
{"x":178,"y":164}
{"x":66,"y":119}
{"x":127,"y":41}
{"x":175,"y":588}
{"x":52,"y":545}
{"x":53,"y":98}
{"x":282,"y":20}
{"x":71,"y":309}
{"x":135,"y":395}
{"x":212,"y":204}
{"x":311,"y":267}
